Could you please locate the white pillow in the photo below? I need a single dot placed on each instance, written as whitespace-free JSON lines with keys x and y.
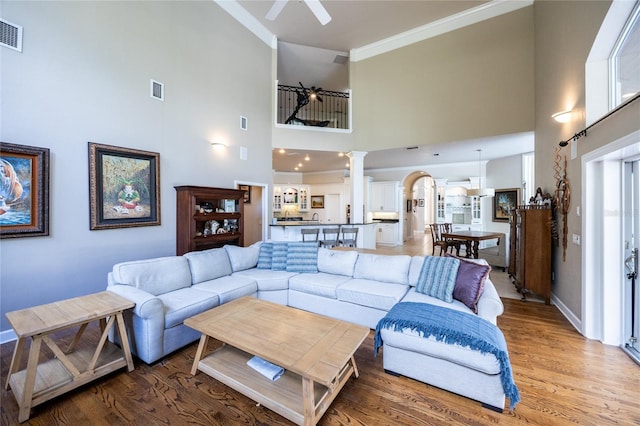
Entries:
{"x":208,"y":265}
{"x":386,"y":268}
{"x":243,"y":257}
{"x":337,"y":262}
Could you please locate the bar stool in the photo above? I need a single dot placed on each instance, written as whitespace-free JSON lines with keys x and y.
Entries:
{"x":330,"y":237}
{"x":310,"y":234}
{"x":349,"y":237}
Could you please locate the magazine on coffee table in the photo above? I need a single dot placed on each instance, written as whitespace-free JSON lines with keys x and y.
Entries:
{"x":267,"y":369}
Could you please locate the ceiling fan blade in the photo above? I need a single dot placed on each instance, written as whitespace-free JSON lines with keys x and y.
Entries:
{"x":318,"y":9}
{"x":275,"y":10}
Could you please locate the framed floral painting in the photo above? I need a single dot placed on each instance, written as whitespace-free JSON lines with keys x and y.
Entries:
{"x":124,"y":187}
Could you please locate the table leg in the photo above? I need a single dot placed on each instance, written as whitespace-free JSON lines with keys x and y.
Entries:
{"x":308,"y":402}
{"x":15,"y":360}
{"x":124,"y":341}
{"x":204,"y":339}
{"x":356,"y":374}
{"x":475,"y":249}
{"x":30,"y":379}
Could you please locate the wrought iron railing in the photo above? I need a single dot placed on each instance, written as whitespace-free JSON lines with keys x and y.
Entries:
{"x":302,"y":107}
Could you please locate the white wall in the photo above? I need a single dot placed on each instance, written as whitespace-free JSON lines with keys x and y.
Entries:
{"x":84,"y":76}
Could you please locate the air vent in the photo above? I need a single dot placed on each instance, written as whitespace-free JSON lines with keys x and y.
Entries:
{"x":10,"y":35}
{"x":412,"y":147}
{"x":340,"y":59}
{"x":157,"y":90}
{"x":244,"y":123}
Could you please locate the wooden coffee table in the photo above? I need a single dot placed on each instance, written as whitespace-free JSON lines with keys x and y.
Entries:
{"x":316,"y":352}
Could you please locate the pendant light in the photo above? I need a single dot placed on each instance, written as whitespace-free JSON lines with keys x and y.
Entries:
{"x":480,"y":191}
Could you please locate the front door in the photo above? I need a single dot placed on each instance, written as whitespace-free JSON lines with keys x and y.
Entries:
{"x":631,"y":242}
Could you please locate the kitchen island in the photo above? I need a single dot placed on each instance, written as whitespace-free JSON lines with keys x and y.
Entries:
{"x":289,"y":230}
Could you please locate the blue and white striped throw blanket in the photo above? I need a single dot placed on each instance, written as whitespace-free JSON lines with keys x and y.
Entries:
{"x":452,"y":327}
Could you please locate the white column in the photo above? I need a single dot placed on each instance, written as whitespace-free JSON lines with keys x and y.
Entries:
{"x":356,"y":167}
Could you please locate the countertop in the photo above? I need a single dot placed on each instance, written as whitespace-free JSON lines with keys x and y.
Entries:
{"x":317,"y":223}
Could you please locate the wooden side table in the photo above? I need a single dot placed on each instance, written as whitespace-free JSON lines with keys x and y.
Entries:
{"x":70,"y":368}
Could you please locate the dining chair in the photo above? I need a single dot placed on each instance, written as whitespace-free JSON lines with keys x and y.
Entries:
{"x":310,"y":234}
{"x":330,"y":237}
{"x":349,"y":237}
{"x":453,"y":243}
{"x":436,"y":236}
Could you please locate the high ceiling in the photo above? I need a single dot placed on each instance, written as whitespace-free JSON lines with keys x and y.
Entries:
{"x":359,"y":25}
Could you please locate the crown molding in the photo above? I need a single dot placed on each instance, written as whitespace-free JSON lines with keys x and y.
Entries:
{"x":450,"y":23}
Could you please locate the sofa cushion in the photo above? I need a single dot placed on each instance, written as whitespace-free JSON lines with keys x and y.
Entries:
{"x":337,"y":262}
{"x":414,"y":269}
{"x":413,"y":296}
{"x":387,"y":268}
{"x":185,"y":303}
{"x":470,"y":283}
{"x":156,"y":276}
{"x":279,"y":256}
{"x":438,"y":277}
{"x":414,"y":341}
{"x":265,"y":255}
{"x":374,"y":294}
{"x":208,"y":264}
{"x":230,"y":287}
{"x":267,"y":279}
{"x":302,"y":257}
{"x":242,"y":258}
{"x":320,"y":284}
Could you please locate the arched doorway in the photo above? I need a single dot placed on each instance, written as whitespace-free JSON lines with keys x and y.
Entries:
{"x":419,"y":199}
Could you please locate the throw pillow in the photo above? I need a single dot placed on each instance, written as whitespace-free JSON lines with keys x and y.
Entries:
{"x":243,"y":257}
{"x":279,"y":257}
{"x":337,"y":262}
{"x":438,"y":277}
{"x":265,"y":255}
{"x":302,"y":257}
{"x":470,"y":282}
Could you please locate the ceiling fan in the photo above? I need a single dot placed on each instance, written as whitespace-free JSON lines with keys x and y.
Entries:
{"x":316,"y":7}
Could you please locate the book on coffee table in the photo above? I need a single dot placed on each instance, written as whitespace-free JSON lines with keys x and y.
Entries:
{"x":267,"y":369}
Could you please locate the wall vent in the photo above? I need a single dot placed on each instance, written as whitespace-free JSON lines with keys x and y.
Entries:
{"x":10,"y":35}
{"x":157,"y":90}
{"x":244,"y":123}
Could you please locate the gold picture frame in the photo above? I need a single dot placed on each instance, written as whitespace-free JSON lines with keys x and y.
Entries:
{"x":124,"y":187}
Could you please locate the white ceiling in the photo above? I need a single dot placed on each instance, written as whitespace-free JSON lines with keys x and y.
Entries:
{"x":356,"y":26}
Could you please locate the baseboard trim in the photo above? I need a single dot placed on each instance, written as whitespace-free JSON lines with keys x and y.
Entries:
{"x":568,"y":314}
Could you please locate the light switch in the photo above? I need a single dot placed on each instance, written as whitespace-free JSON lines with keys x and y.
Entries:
{"x":576,"y":239}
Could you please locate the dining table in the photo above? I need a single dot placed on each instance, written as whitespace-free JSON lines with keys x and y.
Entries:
{"x":473,"y":239}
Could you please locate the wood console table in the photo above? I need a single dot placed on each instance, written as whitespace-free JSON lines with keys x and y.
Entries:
{"x":69,"y":369}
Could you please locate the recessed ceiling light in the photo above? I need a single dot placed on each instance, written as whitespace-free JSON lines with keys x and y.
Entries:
{"x":346,"y":164}
{"x":281,"y":151}
{"x":299,"y":164}
{"x":295,"y":168}
{"x":306,"y":158}
{"x":341,"y":154}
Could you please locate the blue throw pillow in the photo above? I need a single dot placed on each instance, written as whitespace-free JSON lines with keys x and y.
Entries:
{"x":302,"y":257}
{"x":265,"y":255}
{"x":279,"y":257}
{"x":438,"y":277}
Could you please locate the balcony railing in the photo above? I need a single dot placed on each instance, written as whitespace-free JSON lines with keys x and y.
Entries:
{"x":298,"y":107}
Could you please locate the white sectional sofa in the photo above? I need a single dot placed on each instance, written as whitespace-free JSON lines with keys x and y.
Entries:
{"x":347,"y":285}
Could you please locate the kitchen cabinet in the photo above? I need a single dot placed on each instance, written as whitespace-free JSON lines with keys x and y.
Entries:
{"x":387,"y":233}
{"x":291,"y":195}
{"x":384,"y":197}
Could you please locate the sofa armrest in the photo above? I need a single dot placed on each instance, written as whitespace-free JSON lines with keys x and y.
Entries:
{"x":489,"y":305}
{"x":147,"y":306}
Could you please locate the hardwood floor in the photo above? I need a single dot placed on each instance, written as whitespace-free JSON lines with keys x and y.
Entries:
{"x":563,"y":378}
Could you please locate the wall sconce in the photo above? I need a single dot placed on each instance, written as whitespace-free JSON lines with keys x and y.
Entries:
{"x":218,"y":146}
{"x":562,"y":116}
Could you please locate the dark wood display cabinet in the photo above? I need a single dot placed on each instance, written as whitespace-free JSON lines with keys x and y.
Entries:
{"x":530,"y":250}
{"x":208,"y":218}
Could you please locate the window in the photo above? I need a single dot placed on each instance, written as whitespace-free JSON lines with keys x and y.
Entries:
{"x":625,"y":61}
